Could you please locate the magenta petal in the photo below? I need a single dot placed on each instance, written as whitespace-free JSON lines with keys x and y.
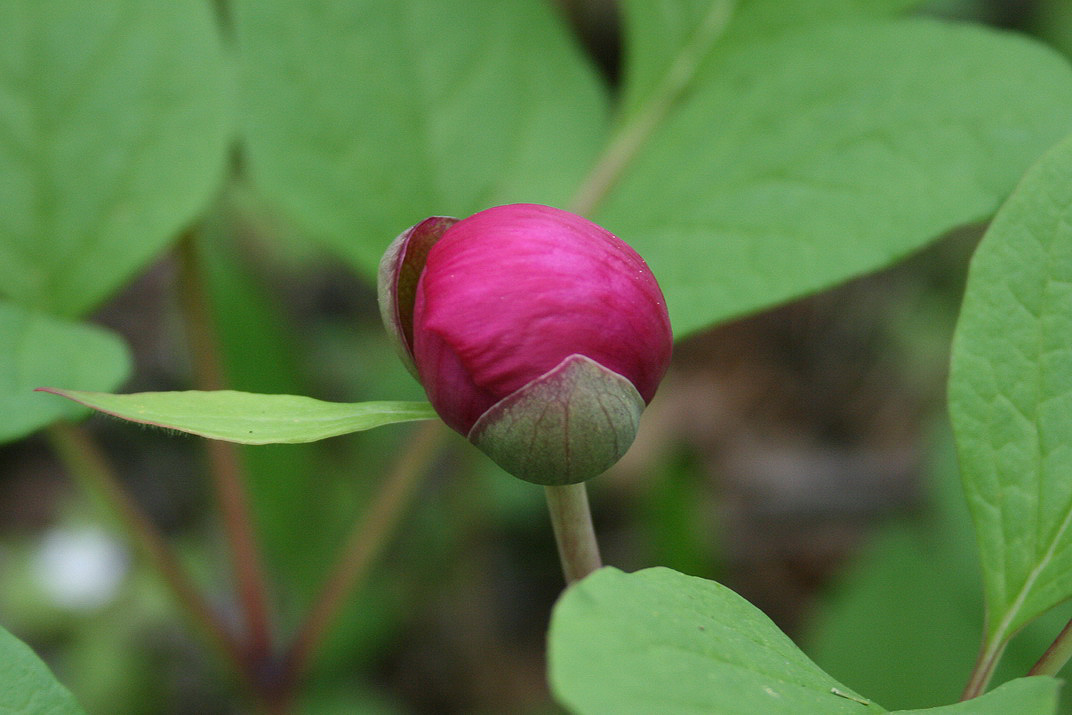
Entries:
{"x":508,"y":293}
{"x":458,"y":400}
{"x":400,"y":269}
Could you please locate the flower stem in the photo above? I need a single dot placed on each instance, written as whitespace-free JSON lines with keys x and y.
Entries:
{"x":226,"y":469}
{"x":1057,"y":655}
{"x":84,"y":459}
{"x":365,"y":541}
{"x":571,"y":520}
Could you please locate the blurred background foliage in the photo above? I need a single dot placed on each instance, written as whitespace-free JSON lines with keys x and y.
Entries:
{"x":801,"y":457}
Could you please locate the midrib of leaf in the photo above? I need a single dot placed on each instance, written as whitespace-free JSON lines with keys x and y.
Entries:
{"x":630,"y":137}
{"x":1002,"y":633}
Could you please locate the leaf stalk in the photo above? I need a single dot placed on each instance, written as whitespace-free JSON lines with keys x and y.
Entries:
{"x":226,"y":469}
{"x":87,"y":463}
{"x":627,"y":141}
{"x":989,"y":655}
{"x":365,"y":542}
{"x":1057,"y":655}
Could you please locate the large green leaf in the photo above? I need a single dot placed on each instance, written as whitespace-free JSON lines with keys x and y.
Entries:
{"x":660,"y":641}
{"x":27,"y":687}
{"x":37,"y":349}
{"x":362,"y":118}
{"x":912,"y":596}
{"x":813,"y":156}
{"x":910,"y":601}
{"x":114,"y":120}
{"x":248,"y":418}
{"x":1010,"y":397}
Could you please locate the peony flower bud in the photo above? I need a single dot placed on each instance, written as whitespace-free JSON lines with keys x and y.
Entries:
{"x":537,"y":334}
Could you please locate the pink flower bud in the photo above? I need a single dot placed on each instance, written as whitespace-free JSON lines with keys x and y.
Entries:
{"x":536,"y":333}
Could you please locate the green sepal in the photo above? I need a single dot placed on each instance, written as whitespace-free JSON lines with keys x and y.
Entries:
{"x":564,"y":427}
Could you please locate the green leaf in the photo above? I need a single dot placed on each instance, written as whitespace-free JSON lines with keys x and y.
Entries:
{"x":893,"y":599}
{"x":37,"y":349}
{"x":818,"y":155}
{"x":913,"y":596}
{"x":668,"y":37}
{"x":249,"y":418}
{"x":365,"y":117}
{"x":1010,"y":398}
{"x":1023,"y":696}
{"x":661,"y":641}
{"x":114,"y":123}
{"x":27,"y":687}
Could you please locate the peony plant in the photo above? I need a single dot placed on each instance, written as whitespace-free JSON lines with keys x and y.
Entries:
{"x":754,"y":151}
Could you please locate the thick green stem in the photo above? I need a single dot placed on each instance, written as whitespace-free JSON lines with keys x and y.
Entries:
{"x":571,"y":520}
{"x":1056,"y":655}
{"x":226,"y":469}
{"x":84,"y":459}
{"x":365,"y":542}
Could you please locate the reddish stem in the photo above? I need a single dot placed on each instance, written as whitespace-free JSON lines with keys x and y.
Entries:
{"x":226,"y":469}
{"x":365,"y":542}
{"x":85,"y":460}
{"x":1057,"y":655}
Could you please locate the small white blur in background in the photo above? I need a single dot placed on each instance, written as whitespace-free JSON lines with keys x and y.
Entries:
{"x":80,"y":569}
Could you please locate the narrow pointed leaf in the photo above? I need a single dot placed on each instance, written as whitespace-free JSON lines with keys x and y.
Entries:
{"x":27,"y":686}
{"x":364,"y":117}
{"x":114,"y":123}
{"x":660,"y":641}
{"x":38,"y":349}
{"x":816,"y":155}
{"x":1010,"y":398}
{"x":249,"y":418}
